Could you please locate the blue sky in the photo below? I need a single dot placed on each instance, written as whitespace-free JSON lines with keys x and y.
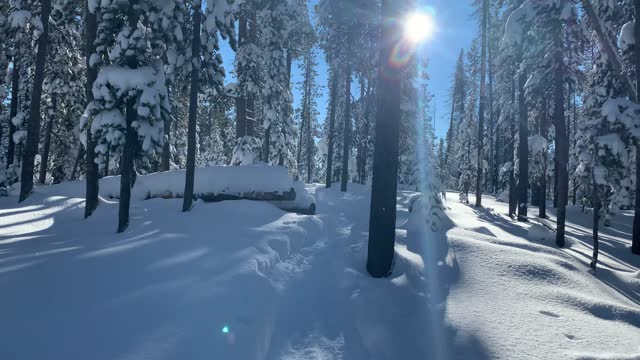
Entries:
{"x":455,"y":30}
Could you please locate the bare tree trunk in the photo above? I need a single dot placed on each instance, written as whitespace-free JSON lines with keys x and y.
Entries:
{"x":384,"y":185}
{"x":13,"y":111}
{"x":33,"y":128}
{"x":165,"y":158}
{"x":193,"y":109}
{"x":92,"y":177}
{"x":597,"y":204}
{"x":332,"y":120}
{"x":128,"y":151}
{"x":367,"y":122}
{"x":346,"y":144}
{"x":562,"y":143}
{"x":76,"y":164}
{"x":483,"y":71}
{"x":523,"y":150}
{"x":241,"y":100}
{"x":44,"y":159}
{"x":542,"y":209}
{"x":512,"y":178}
{"x":493,"y":152}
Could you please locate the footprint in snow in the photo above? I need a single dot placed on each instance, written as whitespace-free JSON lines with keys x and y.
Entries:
{"x":570,"y":337}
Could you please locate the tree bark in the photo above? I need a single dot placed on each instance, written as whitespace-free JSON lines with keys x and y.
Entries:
{"x":384,"y":185}
{"x":13,"y":111}
{"x":44,"y":159}
{"x":193,"y":109}
{"x":523,"y":150}
{"x":76,"y":164}
{"x":33,"y":128}
{"x":512,"y":178}
{"x":562,"y":143}
{"x":483,"y":71}
{"x":241,"y":100}
{"x":332,"y":121}
{"x":346,"y":143}
{"x":92,"y":183}
{"x":128,"y":151}
{"x":493,"y":153}
{"x":596,"y":219}
{"x":542,"y":207}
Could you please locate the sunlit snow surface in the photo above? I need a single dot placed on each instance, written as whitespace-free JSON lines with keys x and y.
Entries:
{"x":245,"y":280}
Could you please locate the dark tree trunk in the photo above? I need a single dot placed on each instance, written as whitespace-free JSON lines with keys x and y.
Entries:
{"x":13,"y":111}
{"x":92,"y":176}
{"x":367,"y":125}
{"x":128,"y":151}
{"x":493,"y":152}
{"x":596,"y":219}
{"x":44,"y":160}
{"x":332,"y":121}
{"x":512,"y":178}
{"x":346,"y":145}
{"x":193,"y":109}
{"x":542,"y":209}
{"x":523,"y":150}
{"x":562,"y":143}
{"x":250,"y":115}
{"x":33,"y":128}
{"x":241,"y":100}
{"x":107,"y":160}
{"x":384,"y":185}
{"x":358,"y":127}
{"x":483,"y":74}
{"x":76,"y":164}
{"x":165,"y":157}
{"x":635,"y":242}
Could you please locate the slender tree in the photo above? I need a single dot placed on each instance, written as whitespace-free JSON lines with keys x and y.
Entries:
{"x":193,"y":107}
{"x":481,"y":110}
{"x":382,"y":218}
{"x":333,"y":94}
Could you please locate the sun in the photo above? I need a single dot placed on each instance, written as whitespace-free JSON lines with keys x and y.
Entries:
{"x":418,"y":27}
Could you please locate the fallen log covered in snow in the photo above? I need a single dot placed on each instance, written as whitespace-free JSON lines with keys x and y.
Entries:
{"x":215,"y":183}
{"x":304,"y":203}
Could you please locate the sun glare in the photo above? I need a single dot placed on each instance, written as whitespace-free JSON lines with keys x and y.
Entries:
{"x":418,"y":27}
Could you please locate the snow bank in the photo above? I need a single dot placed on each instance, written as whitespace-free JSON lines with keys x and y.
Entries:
{"x":254,"y":181}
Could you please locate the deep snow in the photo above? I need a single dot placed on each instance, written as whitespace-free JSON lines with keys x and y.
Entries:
{"x":245,"y":280}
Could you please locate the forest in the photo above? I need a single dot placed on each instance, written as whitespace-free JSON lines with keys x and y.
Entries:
{"x":271,"y":169}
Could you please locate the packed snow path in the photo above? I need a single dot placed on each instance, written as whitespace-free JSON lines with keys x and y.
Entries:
{"x":245,"y":280}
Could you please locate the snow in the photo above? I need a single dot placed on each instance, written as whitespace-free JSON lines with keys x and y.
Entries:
{"x":626,"y":37}
{"x":19,"y":18}
{"x":515,"y":26}
{"x":245,"y":280}
{"x":230,"y":180}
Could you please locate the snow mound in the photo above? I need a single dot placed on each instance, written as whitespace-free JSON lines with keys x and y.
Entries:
{"x":240,"y":181}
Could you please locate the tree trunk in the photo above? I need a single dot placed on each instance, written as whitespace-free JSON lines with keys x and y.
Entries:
{"x":332,"y":120}
{"x":193,"y":109}
{"x":44,"y":159}
{"x":165,"y":158}
{"x":562,"y":143}
{"x":523,"y":150}
{"x":512,"y":177}
{"x":128,"y":151}
{"x":92,"y":176}
{"x":542,"y":209}
{"x":635,"y":241}
{"x":241,"y":100}
{"x":13,"y":111}
{"x":346,"y":144}
{"x":76,"y":164}
{"x":384,"y":185}
{"x":367,"y":122}
{"x":596,"y":219}
{"x":493,"y":153}
{"x":33,"y":128}
{"x":483,"y":73}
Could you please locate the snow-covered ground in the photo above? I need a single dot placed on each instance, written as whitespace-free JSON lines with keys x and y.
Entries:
{"x":246,"y":280}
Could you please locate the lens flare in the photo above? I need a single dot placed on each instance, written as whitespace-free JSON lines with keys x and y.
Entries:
{"x":225,"y":329}
{"x":419,"y":26}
